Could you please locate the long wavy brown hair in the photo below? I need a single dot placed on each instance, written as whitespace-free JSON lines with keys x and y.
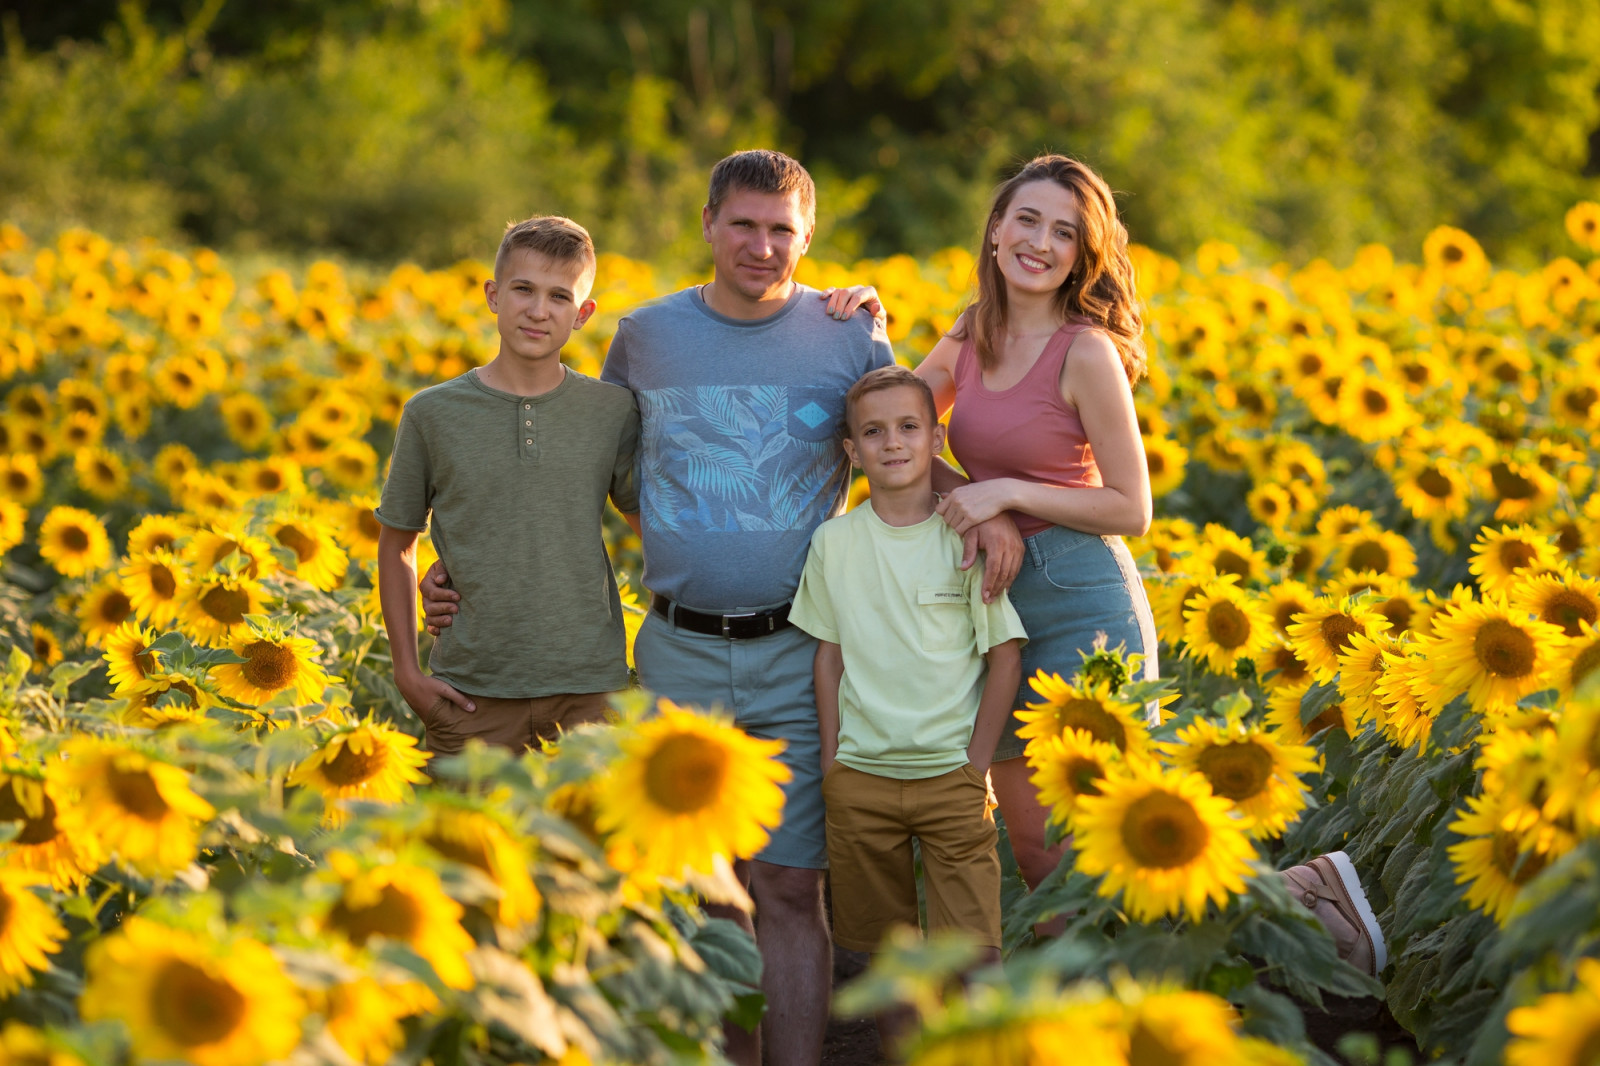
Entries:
{"x":1101,"y":287}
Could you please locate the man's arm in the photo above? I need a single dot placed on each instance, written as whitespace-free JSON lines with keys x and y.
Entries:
{"x":397,"y":577}
{"x":997,"y":538}
{"x":827,"y":670}
{"x":995,"y":706}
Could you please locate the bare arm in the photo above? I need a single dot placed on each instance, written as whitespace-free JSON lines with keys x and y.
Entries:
{"x":397,"y":583}
{"x":995,"y":706}
{"x":1093,"y":382}
{"x":633,"y":523}
{"x":827,"y":670}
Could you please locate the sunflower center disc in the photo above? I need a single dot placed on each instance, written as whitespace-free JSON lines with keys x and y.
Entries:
{"x":1569,"y":609}
{"x":349,"y":768}
{"x":1504,"y":649}
{"x":1085,"y":776}
{"x":1398,"y":611}
{"x":1586,"y":662}
{"x":1237,"y":771}
{"x":1370,"y":555}
{"x":1434,"y":484}
{"x":1336,"y":630}
{"x":685,"y":773}
{"x":1227,"y":625}
{"x":40,"y":830}
{"x":192,"y":1007}
{"x":1093,"y":719}
{"x":395,"y":915}
{"x":470,"y":852}
{"x":1285,"y":612}
{"x":1514,"y":554}
{"x":74,"y":538}
{"x":1519,"y":866}
{"x":1511,"y":485}
{"x":1163,"y":830}
{"x":1229,"y":561}
{"x":295,"y":539}
{"x":136,"y":792}
{"x":162,"y":581}
{"x":1147,"y":1048}
{"x":271,"y":666}
{"x":225,"y":605}
{"x":115,"y":607}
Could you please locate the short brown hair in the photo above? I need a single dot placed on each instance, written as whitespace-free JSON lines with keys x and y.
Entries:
{"x":763,"y":170}
{"x":887,"y":377}
{"x":552,"y":235}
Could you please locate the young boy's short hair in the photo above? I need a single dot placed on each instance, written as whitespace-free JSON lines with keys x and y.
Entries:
{"x":552,"y":235}
{"x":886,"y":377}
{"x":763,"y":170}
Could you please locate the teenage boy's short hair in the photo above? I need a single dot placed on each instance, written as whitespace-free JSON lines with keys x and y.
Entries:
{"x":766,"y":171}
{"x":552,"y":235}
{"x":887,"y":377}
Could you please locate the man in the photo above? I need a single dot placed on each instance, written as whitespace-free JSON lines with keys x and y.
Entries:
{"x":741,"y":386}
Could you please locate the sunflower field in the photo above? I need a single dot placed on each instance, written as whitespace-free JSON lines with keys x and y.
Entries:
{"x":1373,"y":569}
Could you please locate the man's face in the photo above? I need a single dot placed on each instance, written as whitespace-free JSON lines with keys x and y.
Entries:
{"x":539,"y":301}
{"x":757,"y":239}
{"x":894,"y":437}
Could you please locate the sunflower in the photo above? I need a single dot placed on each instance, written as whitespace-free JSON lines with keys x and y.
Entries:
{"x":156,"y":532}
{"x":214,"y":608}
{"x":207,"y":495}
{"x":73,"y":541}
{"x":1285,"y":714}
{"x":153,"y":581}
{"x":22,"y":1045}
{"x":46,"y":646}
{"x":1493,"y":652}
{"x":363,"y":1016}
{"x":1337,"y":523}
{"x":476,"y":839}
{"x":1163,"y":840}
{"x":404,"y":903}
{"x":1224,"y":551}
{"x":1173,"y":597}
{"x":1562,"y":1028}
{"x":28,"y":797}
{"x":358,"y":526}
{"x":1067,"y":767}
{"x":1398,"y":602}
{"x":172,"y":464}
{"x":1375,"y":408}
{"x":1523,"y":489}
{"x":1225,"y":624}
{"x":1578,"y":660}
{"x":1168,"y":541}
{"x":367,"y":761}
{"x":1377,"y":551}
{"x":273,"y":475}
{"x":242,"y":551}
{"x":1493,"y":862}
{"x":689,"y":789}
{"x":1583,"y":225}
{"x":80,"y":430}
{"x":103,"y":609}
{"x":1567,"y":600}
{"x":186,"y":1000}
{"x":1279,"y":666}
{"x":1500,"y":557}
{"x":128,"y":655}
{"x":1253,"y":769}
{"x":1273,"y":506}
{"x":247,"y":420}
{"x":21,"y":479}
{"x":351,"y":464}
{"x":1286,"y":599}
{"x":181,"y":380}
{"x":169,"y":697}
{"x":1172,"y":1026}
{"x":29,"y":930}
{"x":1032,"y":1037}
{"x":1456,"y":258}
{"x":101,"y":473}
{"x":1361,"y":668}
{"x":13,"y":524}
{"x":274,"y":662}
{"x":138,"y":807}
{"x":1322,"y":633}
{"x":1088,"y":707}
{"x":1168,"y":461}
{"x":319,"y":561}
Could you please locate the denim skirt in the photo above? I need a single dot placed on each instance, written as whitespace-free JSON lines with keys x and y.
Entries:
{"x":1072,"y":588}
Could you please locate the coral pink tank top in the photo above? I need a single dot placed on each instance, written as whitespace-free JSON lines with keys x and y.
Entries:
{"x":1027,"y":431}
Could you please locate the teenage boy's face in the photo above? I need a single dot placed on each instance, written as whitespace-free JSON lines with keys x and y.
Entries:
{"x":757,"y":239}
{"x":539,"y":301}
{"x":894,"y":438}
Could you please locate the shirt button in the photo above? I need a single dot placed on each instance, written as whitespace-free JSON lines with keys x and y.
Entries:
{"x":529,"y":422}
{"x":527,"y":407}
{"x":529,"y":441}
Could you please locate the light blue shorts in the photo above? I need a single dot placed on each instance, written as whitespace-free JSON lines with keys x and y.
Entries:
{"x":1072,"y":587}
{"x":766,"y":684}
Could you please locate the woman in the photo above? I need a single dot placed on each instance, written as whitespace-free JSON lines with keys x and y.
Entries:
{"x":1040,"y":369}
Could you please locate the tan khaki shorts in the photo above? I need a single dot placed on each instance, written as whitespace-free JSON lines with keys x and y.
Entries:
{"x":516,"y":725}
{"x":871,"y":821}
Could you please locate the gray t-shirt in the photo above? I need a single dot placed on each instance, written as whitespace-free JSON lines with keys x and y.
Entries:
{"x":516,"y":486}
{"x":740,"y":428}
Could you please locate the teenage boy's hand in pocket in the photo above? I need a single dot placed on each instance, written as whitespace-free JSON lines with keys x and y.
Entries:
{"x":439,"y":601}
{"x":422,"y":693}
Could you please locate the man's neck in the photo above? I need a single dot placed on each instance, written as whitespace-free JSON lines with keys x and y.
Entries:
{"x":724,"y":300}
{"x":524,"y":378}
{"x":905,"y":506}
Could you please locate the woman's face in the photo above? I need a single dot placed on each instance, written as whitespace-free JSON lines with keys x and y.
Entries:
{"x":1036,"y":240}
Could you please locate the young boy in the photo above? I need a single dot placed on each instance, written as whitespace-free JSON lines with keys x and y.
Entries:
{"x":514,"y":460}
{"x":908,"y":715}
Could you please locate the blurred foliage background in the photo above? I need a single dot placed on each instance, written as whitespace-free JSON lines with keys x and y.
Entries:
{"x":385,"y":129}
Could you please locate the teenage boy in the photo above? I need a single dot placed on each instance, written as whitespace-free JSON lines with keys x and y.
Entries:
{"x":907,"y":710}
{"x":741,"y":386}
{"x":514,"y":461}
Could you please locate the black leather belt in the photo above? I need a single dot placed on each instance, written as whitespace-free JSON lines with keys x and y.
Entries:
{"x":745,"y":626}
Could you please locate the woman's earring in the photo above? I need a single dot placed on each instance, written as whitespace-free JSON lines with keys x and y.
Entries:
{"x":994,"y":249}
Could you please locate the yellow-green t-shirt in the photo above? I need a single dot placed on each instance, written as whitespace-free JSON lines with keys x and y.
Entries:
{"x":913,"y":629}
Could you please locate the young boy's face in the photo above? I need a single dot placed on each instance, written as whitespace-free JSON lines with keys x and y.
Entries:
{"x":539,"y":301}
{"x":894,"y":437}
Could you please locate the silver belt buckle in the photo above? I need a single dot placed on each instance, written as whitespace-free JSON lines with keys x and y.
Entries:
{"x":727,"y":617}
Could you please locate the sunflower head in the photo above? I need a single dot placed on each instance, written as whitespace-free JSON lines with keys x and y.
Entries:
{"x":364,"y":760}
{"x":1090,"y":708}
